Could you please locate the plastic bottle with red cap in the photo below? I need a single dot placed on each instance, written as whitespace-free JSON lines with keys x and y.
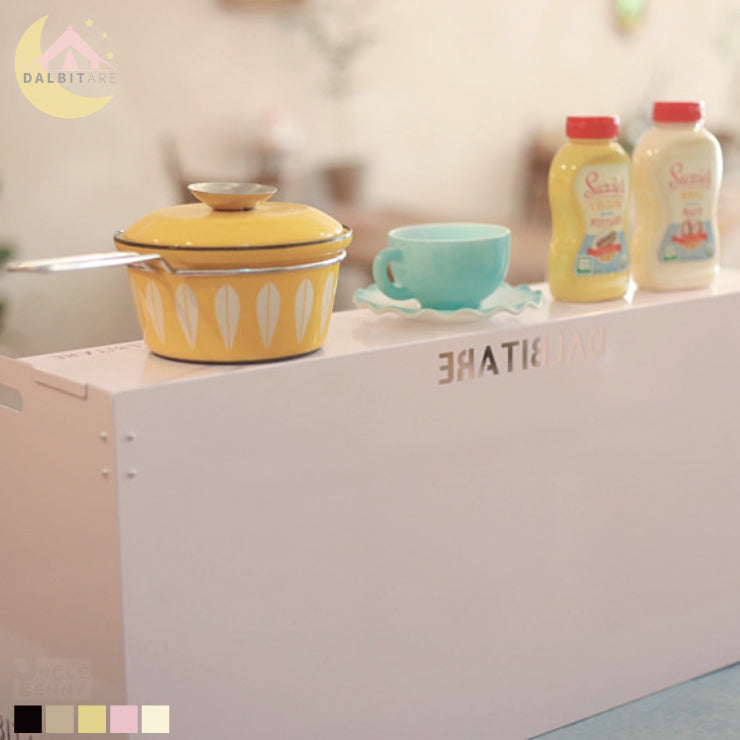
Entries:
{"x":588,"y":188}
{"x":676,"y":176}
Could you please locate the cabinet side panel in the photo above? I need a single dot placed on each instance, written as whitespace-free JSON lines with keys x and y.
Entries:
{"x":60,"y":604}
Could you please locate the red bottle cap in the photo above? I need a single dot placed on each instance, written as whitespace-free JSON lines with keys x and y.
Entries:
{"x":592,"y":127}
{"x":672,"y":112}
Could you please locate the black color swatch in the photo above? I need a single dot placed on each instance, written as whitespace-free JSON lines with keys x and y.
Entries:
{"x":27,"y":718}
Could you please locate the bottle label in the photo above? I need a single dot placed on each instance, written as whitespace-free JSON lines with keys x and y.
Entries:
{"x":603,"y":192}
{"x":689,"y":185}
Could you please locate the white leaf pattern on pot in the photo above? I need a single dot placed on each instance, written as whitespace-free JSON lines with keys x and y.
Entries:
{"x":227,"y":314}
{"x":303,"y":306}
{"x":187,"y":312}
{"x":153,"y":300}
{"x":326,"y":301}
{"x":268,"y":310}
{"x":139,"y":306}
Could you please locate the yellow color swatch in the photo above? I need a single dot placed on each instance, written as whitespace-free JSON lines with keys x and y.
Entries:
{"x":91,"y":718}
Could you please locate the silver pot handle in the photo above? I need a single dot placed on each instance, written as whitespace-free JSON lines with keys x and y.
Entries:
{"x":143,"y":261}
{"x":81,"y":262}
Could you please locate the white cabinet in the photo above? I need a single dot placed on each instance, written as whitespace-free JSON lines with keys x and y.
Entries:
{"x":424,"y":530}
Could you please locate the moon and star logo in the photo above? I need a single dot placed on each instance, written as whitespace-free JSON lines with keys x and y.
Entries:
{"x":66,"y":78}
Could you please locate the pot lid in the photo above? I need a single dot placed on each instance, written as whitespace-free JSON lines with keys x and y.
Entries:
{"x":232,"y":215}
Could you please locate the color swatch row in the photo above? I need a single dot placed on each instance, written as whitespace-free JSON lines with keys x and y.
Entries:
{"x":97,"y":718}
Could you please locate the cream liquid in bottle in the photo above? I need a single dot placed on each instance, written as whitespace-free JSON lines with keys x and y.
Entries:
{"x":676,"y":175}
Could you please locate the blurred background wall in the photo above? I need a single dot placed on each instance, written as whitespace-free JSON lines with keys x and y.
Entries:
{"x":442,"y":104}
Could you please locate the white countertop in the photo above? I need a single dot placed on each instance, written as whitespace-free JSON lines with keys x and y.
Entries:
{"x":129,"y":366}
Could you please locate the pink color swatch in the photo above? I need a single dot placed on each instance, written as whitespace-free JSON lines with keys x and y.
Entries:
{"x":124,"y":719}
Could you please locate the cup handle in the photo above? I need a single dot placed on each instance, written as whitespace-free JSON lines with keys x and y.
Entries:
{"x":380,"y":274}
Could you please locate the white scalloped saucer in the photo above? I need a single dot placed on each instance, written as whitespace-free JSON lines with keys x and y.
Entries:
{"x":505,"y":298}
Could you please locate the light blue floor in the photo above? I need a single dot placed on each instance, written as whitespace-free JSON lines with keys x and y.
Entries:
{"x":707,"y":708}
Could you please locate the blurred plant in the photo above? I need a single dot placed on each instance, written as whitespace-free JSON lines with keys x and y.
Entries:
{"x":339,"y":33}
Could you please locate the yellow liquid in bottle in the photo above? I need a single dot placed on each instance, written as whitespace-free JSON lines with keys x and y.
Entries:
{"x":588,"y":188}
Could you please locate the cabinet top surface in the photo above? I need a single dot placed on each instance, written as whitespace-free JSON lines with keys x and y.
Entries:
{"x":129,"y":366}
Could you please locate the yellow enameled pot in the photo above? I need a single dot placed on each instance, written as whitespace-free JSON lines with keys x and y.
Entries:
{"x":234,"y":278}
{"x":247,"y":279}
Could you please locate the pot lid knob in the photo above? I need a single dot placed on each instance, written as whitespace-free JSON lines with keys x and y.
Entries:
{"x":232,"y":196}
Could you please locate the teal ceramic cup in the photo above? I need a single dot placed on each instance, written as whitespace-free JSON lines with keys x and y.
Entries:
{"x":444,"y":266}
